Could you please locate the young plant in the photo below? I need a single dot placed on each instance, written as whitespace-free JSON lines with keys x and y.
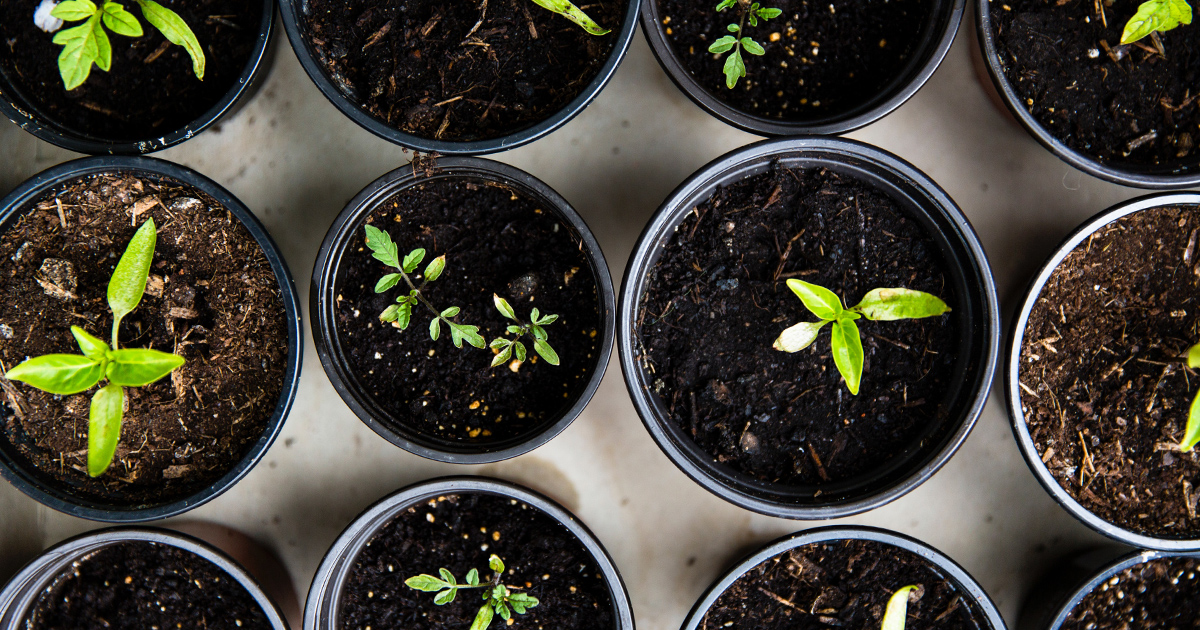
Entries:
{"x":896,"y":614}
{"x":1191,"y":434}
{"x":572,"y":12}
{"x":498,"y":598}
{"x":877,"y":305}
{"x":508,"y":347}
{"x":735,"y":67}
{"x":1156,"y":16}
{"x":66,"y":374}
{"x":88,"y":44}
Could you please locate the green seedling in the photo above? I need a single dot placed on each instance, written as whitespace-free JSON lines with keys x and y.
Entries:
{"x":572,"y":12}
{"x":1191,"y":434}
{"x":896,"y":614}
{"x":1156,"y":16}
{"x":877,"y":305}
{"x":87,"y":44}
{"x":735,"y":66}
{"x":498,"y":598}
{"x":66,"y":374}
{"x":507,"y":348}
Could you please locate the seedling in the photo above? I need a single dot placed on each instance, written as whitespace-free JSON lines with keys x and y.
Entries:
{"x":1156,"y":16}
{"x":896,"y":614}
{"x":735,"y":67}
{"x":509,"y":347}
{"x":877,"y":305}
{"x":1191,"y":434}
{"x":88,"y":44}
{"x":572,"y":12}
{"x":66,"y":374}
{"x":498,"y":598}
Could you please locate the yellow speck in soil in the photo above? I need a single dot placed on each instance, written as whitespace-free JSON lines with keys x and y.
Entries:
{"x":882,"y":43}
{"x":669,"y":30}
{"x":495,"y":535}
{"x":431,"y":352}
{"x":572,"y":589}
{"x":483,"y":530}
{"x":429,"y":517}
{"x":475,"y":405}
{"x":1029,"y":101}
{"x":473,"y":432}
{"x":667,"y":20}
{"x":509,"y":621}
{"x":486,"y":432}
{"x":129,"y":579}
{"x":514,"y":366}
{"x":775,"y":37}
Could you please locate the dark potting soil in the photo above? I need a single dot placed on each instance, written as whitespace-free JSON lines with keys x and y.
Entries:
{"x":1103,"y":391}
{"x":822,"y":58}
{"x":459,"y":533}
{"x":150,"y":89}
{"x":717,"y":299}
{"x":1155,"y":594}
{"x":843,"y":584}
{"x":212,"y":298}
{"x":496,"y":241}
{"x":141,"y":585}
{"x":434,"y":69}
{"x":1121,"y":105}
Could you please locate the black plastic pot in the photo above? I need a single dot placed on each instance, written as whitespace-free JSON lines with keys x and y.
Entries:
{"x":1142,"y":177}
{"x":323,"y":302}
{"x":324,"y":596}
{"x":1012,"y":386}
{"x":293,"y":12}
{"x":27,"y":115}
{"x":982,"y":604}
{"x":23,"y":590}
{"x":979,"y":321}
{"x":49,"y":493}
{"x":938,"y":36}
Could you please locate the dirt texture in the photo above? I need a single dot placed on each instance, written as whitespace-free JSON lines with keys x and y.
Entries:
{"x":459,"y":70}
{"x":150,"y":89}
{"x":1126,"y":106}
{"x":212,"y":298}
{"x":1104,"y":392}
{"x":843,"y":584}
{"x":717,"y":299}
{"x":822,"y":59}
{"x":143,"y":585}
{"x":1156,"y":594}
{"x":460,"y":532}
{"x":496,"y":241}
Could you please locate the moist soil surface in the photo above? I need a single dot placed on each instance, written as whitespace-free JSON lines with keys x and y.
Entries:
{"x":1121,"y":105}
{"x":433,"y":69}
{"x":150,"y":89}
{"x":843,"y":584}
{"x":141,"y":585}
{"x":1103,"y":391}
{"x":818,"y":62}
{"x":717,"y":299}
{"x":1156,"y":594}
{"x":459,"y":533}
{"x":496,"y":241}
{"x":212,"y":298}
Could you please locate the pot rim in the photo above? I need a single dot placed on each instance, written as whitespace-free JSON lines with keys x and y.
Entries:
{"x":60,"y":135}
{"x":321,"y":607}
{"x":833,"y":125}
{"x":23,"y":589}
{"x":1012,"y":364}
{"x":843,"y":151}
{"x":833,"y":533}
{"x":322,"y":296}
{"x":1072,"y":157}
{"x":291,"y":14}
{"x":46,"y":493}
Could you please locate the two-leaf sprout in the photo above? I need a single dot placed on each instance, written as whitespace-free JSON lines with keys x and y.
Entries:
{"x":876,"y":305}
{"x":735,"y":66}
{"x":66,"y":374}
{"x":1156,"y":16}
{"x":498,"y":598}
{"x":400,"y":314}
{"x":896,"y":613}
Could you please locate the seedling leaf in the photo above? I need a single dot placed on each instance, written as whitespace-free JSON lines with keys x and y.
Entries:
{"x":820,"y":301}
{"x":176,"y":31}
{"x":896,"y":614}
{"x":120,"y":21}
{"x":504,"y":307}
{"x":387,"y":282}
{"x":496,"y":564}
{"x":1191,"y":434}
{"x":435,"y":329}
{"x":451,"y":312}
{"x":404,"y":315}
{"x":61,"y":374}
{"x":382,"y":247}
{"x":426,"y":583}
{"x":445,"y":597}
{"x":1193,"y":356}
{"x":895,"y":304}
{"x":799,"y":337}
{"x":413,"y":259}
{"x":848,"y":353}
{"x":79,"y":52}
{"x":104,"y":427}
{"x":725,"y":43}
{"x":435,"y":268}
{"x":545,"y":351}
{"x":483,"y":618}
{"x":135,"y":367}
{"x":572,"y":12}
{"x":92,"y":348}
{"x":473,"y":577}
{"x":752,"y":47}
{"x":128,"y":281}
{"x":734,"y":69}
{"x":503,"y":355}
{"x":519,"y":350}
{"x":74,"y":10}
{"x":1156,"y":15}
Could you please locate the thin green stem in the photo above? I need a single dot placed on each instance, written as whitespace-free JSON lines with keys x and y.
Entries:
{"x":116,"y":328}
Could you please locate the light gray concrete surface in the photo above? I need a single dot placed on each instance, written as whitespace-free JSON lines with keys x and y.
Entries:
{"x":294,"y":160}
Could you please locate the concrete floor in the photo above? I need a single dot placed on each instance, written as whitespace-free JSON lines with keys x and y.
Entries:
{"x":293,"y":159}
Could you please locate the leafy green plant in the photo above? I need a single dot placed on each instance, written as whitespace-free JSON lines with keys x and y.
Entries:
{"x":876,"y":305}
{"x":87,"y":44}
{"x":572,"y":12}
{"x":896,"y":614}
{"x":66,"y":374}
{"x":498,"y":598}
{"x":509,"y":347}
{"x":735,"y":66}
{"x":1156,"y":16}
{"x":1191,"y":433}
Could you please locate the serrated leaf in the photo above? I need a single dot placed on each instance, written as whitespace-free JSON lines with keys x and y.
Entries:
{"x":136,"y":367}
{"x":723,"y":44}
{"x":73,"y":10}
{"x":463,"y":332}
{"x":387,"y":282}
{"x":120,"y":21}
{"x":502,"y":356}
{"x":1191,"y":433}
{"x":895,"y":304}
{"x":104,"y":427}
{"x":519,"y":351}
{"x":1156,"y":15}
{"x":61,"y":374}
{"x":483,"y":618}
{"x":451,"y":312}
{"x":445,"y":597}
{"x":768,"y":14}
{"x":734,"y":69}
{"x":896,"y":614}
{"x":848,"y":353}
{"x":496,"y":564}
{"x":426,"y":583}
{"x":473,"y":577}
{"x":92,"y":347}
{"x":435,"y":328}
{"x":752,"y":47}
{"x":572,"y":12}
{"x":413,"y":259}
{"x":176,"y":31}
{"x":435,"y":268}
{"x":504,"y":307}
{"x":78,"y":54}
{"x":545,"y":351}
{"x":128,"y":282}
{"x":798,"y":337}
{"x":817,"y":299}
{"x":381,"y":246}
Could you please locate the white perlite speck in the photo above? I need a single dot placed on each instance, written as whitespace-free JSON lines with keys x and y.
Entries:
{"x":43,"y":19}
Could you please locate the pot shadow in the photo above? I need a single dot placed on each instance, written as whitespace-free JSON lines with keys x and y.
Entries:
{"x":20,"y":540}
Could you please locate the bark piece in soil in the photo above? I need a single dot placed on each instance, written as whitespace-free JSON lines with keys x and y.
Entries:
{"x":717,"y":299}
{"x":146,"y":93}
{"x":212,"y":298}
{"x":1159,"y":593}
{"x":459,"y":533}
{"x":1103,"y":391}
{"x":432,"y":69}
{"x":818,"y":62}
{"x":137,"y":585}
{"x":1138,"y":109}
{"x":841,"y":584}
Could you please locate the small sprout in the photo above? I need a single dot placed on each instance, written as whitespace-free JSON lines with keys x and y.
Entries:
{"x":498,"y":598}
{"x":513,"y":347}
{"x":896,"y":614}
{"x":572,"y":12}
{"x":1191,"y":434}
{"x":88,"y":43}
{"x":66,"y":374}
{"x":877,"y":305}
{"x":1156,"y":16}
{"x":735,"y":66}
